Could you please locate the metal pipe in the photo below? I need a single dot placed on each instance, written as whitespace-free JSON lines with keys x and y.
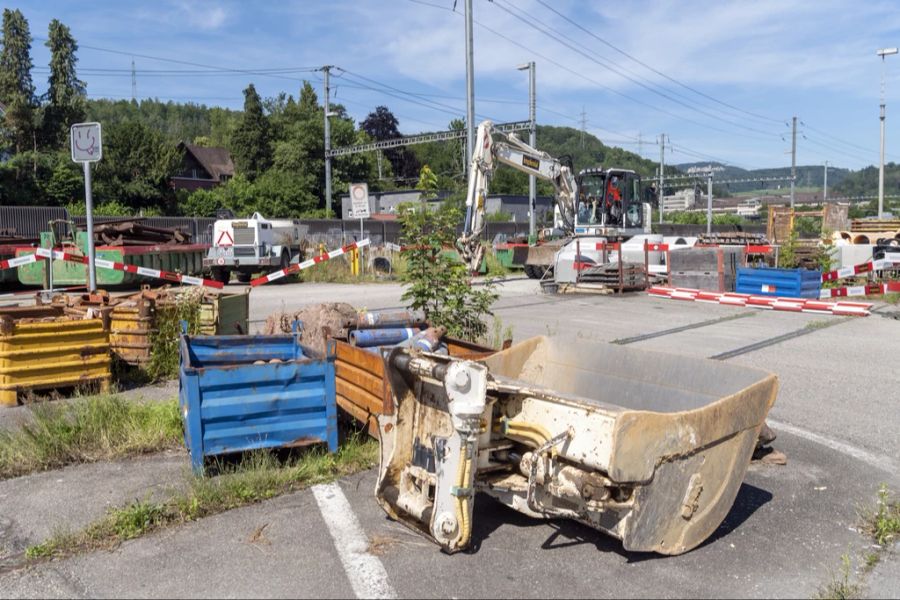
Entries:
{"x":89,"y":212}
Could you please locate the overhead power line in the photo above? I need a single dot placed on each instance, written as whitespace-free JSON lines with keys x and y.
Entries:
{"x":650,"y":68}
{"x":593,"y":57}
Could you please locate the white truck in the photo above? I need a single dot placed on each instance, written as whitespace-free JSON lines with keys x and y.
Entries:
{"x":248,"y":246}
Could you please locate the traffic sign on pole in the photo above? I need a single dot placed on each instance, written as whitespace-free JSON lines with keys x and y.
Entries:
{"x":87,"y":147}
{"x":359,"y":201}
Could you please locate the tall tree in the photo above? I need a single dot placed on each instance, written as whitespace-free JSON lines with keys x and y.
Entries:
{"x":382,"y":125}
{"x":251,"y":144}
{"x":66,"y":93}
{"x":16,"y":87}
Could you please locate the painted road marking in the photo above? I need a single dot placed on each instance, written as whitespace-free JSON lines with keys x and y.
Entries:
{"x":365,"y":572}
{"x":879,"y":462}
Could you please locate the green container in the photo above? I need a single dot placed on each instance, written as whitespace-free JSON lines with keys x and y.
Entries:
{"x":184,"y":259}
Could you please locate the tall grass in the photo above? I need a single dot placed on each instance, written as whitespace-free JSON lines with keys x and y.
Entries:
{"x":87,"y":430}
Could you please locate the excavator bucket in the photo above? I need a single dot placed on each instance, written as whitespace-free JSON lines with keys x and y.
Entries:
{"x":648,"y":447}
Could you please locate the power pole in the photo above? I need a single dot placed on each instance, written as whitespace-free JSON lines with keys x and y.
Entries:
{"x":709,"y":175}
{"x":327,"y":69}
{"x":793,"y":159}
{"x":640,"y":145}
{"x":825,"y":186}
{"x":662,"y":174}
{"x":133,"y":82}
{"x":882,"y":53}
{"x":532,"y":141}
{"x":583,"y":125}
{"x":470,"y":88}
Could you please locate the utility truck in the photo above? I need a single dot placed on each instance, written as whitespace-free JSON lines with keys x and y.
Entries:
{"x":248,"y":246}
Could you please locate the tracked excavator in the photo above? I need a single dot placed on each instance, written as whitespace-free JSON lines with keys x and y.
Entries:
{"x":597,"y":205}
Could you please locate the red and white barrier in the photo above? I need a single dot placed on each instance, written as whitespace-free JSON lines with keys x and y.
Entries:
{"x":860,"y":309}
{"x":873,"y":289}
{"x":102,"y":263}
{"x":308,"y":263}
{"x":12,"y":263}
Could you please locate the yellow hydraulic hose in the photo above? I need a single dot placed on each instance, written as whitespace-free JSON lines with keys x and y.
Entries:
{"x":462,"y":512}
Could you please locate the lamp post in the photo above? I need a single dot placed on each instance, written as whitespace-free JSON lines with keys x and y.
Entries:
{"x":882,"y":53}
{"x":825,"y":186}
{"x":532,"y":141}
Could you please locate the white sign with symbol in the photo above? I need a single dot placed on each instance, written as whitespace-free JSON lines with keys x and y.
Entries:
{"x":359,"y":199}
{"x":86,"y":146}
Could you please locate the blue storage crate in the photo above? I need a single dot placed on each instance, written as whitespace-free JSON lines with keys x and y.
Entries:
{"x":786,"y":283}
{"x":228,"y":404}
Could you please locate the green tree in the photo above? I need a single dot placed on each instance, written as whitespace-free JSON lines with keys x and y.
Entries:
{"x":66,"y":93}
{"x":251,"y":146}
{"x":428,"y":182}
{"x":16,"y":86}
{"x":437,"y":283}
{"x":138,"y":163}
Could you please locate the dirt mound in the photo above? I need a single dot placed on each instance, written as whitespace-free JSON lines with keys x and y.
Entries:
{"x":314,"y":318}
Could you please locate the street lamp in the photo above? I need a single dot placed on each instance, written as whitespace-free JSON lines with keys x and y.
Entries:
{"x":532,"y":141}
{"x":882,"y":53}
{"x":825,"y":186}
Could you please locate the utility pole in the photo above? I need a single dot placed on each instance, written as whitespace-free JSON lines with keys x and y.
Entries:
{"x":793,"y":159}
{"x":709,"y":175}
{"x":133,"y":82}
{"x":662,"y":174}
{"x":825,"y":186}
{"x":583,"y":125}
{"x":327,"y":69}
{"x":640,"y":145}
{"x":882,"y":53}
{"x":470,"y":89}
{"x":532,"y":141}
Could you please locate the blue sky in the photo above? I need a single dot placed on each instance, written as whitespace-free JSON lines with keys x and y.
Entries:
{"x":721,"y":78}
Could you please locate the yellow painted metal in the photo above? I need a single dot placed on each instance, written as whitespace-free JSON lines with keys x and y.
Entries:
{"x":54,"y":353}
{"x":129,"y":330}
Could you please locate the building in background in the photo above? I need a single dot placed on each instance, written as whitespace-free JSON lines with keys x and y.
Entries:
{"x":203,"y":168}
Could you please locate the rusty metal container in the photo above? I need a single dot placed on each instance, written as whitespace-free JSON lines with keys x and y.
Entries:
{"x":363,"y":392}
{"x":650,"y":448}
{"x":42,"y":348}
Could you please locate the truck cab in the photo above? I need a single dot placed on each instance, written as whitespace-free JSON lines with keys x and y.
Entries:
{"x":247,"y":246}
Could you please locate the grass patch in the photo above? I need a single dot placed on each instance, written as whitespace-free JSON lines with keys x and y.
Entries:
{"x":88,"y":430}
{"x":882,"y":522}
{"x":259,"y":476}
{"x":495,"y":268}
{"x":337,"y":270}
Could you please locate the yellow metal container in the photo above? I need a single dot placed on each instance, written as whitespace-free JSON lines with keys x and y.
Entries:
{"x":129,"y":329}
{"x":51,"y":352}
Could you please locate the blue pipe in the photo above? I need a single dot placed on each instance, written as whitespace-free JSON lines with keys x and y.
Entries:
{"x":365,"y":338}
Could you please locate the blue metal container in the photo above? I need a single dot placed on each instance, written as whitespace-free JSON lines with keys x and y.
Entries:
{"x":786,"y":283}
{"x":229,"y":404}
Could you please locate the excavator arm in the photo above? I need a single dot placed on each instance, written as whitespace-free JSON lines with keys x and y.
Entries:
{"x":517,"y":154}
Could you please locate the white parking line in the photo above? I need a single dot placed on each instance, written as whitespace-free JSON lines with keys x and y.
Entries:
{"x":365,"y":572}
{"x":879,"y":462}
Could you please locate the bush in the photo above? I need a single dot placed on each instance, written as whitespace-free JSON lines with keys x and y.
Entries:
{"x":436,"y":283}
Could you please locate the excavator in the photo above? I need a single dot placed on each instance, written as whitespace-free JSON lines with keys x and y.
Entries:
{"x":605,"y":204}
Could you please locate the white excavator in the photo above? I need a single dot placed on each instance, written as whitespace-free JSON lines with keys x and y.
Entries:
{"x":592,"y":208}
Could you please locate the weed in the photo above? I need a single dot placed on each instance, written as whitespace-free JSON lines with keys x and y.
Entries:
{"x":820,"y":324}
{"x":498,"y":334}
{"x":259,"y":476}
{"x":841,"y":587}
{"x":88,"y":430}
{"x":883,"y":522}
{"x":872,"y":559}
{"x":164,"y":340}
{"x":495,"y":268}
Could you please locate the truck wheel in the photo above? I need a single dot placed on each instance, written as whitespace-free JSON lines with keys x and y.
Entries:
{"x":243,"y":277}
{"x":221,"y":275}
{"x":535,"y":271}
